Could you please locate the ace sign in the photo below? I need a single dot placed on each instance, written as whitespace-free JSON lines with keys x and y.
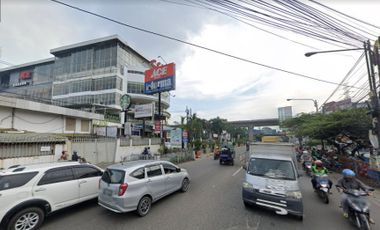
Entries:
{"x":159,"y":79}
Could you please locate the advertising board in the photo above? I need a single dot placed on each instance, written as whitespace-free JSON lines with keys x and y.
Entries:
{"x":159,"y":79}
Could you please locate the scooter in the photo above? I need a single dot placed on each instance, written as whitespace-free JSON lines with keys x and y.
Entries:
{"x":358,"y":208}
{"x":322,"y":187}
{"x":307,"y":167}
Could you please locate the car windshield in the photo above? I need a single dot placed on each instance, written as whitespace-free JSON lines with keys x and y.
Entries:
{"x":113,"y":176}
{"x":271,"y":168}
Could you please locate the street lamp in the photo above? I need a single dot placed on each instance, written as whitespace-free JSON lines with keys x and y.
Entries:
{"x":305,"y":99}
{"x":372,"y":58}
{"x":308,"y":54}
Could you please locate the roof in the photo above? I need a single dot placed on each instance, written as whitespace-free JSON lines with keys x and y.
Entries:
{"x":132,"y":165}
{"x":12,"y":138}
{"x":272,"y":156}
{"x":18,"y":103}
{"x":38,"y":166}
{"x":95,"y":41}
{"x":38,"y":62}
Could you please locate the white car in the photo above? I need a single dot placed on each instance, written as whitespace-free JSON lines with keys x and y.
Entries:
{"x":30,"y":192}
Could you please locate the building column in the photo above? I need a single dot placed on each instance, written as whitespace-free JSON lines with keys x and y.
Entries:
{"x":250,"y":132}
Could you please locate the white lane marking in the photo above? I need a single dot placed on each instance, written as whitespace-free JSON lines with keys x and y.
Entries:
{"x":237,"y":171}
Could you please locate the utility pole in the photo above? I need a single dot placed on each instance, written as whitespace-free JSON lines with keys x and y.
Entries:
{"x":374,"y":97}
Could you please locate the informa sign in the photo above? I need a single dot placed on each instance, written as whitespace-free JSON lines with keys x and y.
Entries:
{"x":176,"y":137}
{"x":159,"y":79}
{"x":145,"y":110}
{"x":45,"y":148}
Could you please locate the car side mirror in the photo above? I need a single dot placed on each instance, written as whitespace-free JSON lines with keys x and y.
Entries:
{"x":178,"y":170}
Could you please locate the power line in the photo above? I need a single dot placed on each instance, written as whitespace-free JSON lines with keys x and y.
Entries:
{"x":195,"y":45}
{"x":345,"y":77}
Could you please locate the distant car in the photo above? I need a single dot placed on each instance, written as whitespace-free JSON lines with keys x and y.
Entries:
{"x":30,"y":192}
{"x":226,"y":156}
{"x":134,"y":186}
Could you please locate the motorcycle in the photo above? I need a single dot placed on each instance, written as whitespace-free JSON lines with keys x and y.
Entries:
{"x":307,"y":167}
{"x":322,"y":187}
{"x":358,"y":208}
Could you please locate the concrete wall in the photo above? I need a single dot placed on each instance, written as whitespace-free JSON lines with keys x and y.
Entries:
{"x":38,"y":122}
{"x":6,"y":163}
{"x":94,"y":151}
{"x":5,"y":117}
{"x":125,"y":151}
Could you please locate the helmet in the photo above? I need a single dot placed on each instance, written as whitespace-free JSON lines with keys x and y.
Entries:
{"x":348,"y":173}
{"x":318,"y":163}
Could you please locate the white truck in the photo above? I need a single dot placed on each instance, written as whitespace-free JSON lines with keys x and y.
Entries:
{"x":271,"y":178}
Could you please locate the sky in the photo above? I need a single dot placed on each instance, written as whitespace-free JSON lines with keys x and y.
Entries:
{"x":210,"y":84}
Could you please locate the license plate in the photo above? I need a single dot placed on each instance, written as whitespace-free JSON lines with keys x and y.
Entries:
{"x":325,"y":189}
{"x":107,"y":192}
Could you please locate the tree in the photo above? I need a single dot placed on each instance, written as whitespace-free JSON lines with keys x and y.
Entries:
{"x":355,"y":122}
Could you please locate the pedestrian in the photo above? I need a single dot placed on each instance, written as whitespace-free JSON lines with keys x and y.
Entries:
{"x":64,"y":156}
{"x":75,"y":156}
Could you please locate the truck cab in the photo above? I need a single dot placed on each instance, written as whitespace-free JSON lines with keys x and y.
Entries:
{"x":271,"y":180}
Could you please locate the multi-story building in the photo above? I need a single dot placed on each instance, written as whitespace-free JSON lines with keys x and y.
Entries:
{"x":90,"y":76}
{"x":284,"y":113}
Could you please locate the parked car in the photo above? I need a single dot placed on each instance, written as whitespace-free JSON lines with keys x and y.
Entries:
{"x":134,"y":186}
{"x":226,"y":156}
{"x":30,"y":192}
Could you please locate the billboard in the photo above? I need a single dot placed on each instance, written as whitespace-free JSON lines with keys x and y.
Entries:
{"x":145,"y":110}
{"x":176,"y":137}
{"x":159,"y":79}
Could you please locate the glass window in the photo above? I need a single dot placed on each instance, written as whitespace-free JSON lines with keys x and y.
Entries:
{"x":14,"y":181}
{"x":70,"y":123}
{"x":85,"y":124}
{"x":271,"y":168}
{"x":154,"y":170}
{"x":138,"y":174}
{"x":113,"y":176}
{"x":57,"y":176}
{"x":168,"y":168}
{"x":86,"y":172}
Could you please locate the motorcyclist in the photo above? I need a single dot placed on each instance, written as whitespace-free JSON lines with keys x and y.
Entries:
{"x":350,"y":182}
{"x":306,"y":157}
{"x":318,"y":170}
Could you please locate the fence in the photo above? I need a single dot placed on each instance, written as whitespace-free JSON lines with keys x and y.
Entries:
{"x":138,"y":141}
{"x":178,"y":157}
{"x":12,"y":150}
{"x":95,"y":150}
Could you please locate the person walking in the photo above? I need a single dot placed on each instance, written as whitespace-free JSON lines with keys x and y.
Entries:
{"x":75,"y":156}
{"x":64,"y":156}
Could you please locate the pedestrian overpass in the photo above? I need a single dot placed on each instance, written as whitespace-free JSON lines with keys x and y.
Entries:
{"x":250,"y":124}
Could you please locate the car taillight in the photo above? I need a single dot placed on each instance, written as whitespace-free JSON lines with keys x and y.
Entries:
{"x":122,"y":189}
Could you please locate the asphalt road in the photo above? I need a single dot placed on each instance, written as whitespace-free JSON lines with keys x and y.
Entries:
{"x":212,"y":202}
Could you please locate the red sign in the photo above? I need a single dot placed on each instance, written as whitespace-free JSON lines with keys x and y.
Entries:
{"x":25,"y":75}
{"x":159,"y":72}
{"x":157,"y":126}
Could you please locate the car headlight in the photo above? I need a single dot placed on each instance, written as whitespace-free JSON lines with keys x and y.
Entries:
{"x":247,"y":185}
{"x":294,"y":194}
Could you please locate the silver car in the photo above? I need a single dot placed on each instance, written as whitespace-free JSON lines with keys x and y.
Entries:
{"x":136,"y":185}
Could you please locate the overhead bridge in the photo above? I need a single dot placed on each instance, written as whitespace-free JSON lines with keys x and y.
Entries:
{"x":250,"y":124}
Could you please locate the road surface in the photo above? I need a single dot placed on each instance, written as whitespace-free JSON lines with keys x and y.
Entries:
{"x":212,"y":202}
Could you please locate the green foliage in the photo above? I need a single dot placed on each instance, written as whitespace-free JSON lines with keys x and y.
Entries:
{"x":356,"y":122}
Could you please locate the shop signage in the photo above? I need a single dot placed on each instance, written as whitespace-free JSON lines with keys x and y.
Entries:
{"x":145,"y":110}
{"x":23,"y":83}
{"x":159,"y":79}
{"x":25,"y":75}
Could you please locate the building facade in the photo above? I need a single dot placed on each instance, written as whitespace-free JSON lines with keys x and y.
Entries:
{"x":90,"y":76}
{"x":285,"y":113}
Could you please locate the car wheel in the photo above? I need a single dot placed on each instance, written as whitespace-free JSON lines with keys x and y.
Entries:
{"x":220,"y":162}
{"x":300,"y":218}
{"x":144,"y":206}
{"x":185,"y":185}
{"x":232,"y":163}
{"x":28,"y":219}
{"x":246,"y":204}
